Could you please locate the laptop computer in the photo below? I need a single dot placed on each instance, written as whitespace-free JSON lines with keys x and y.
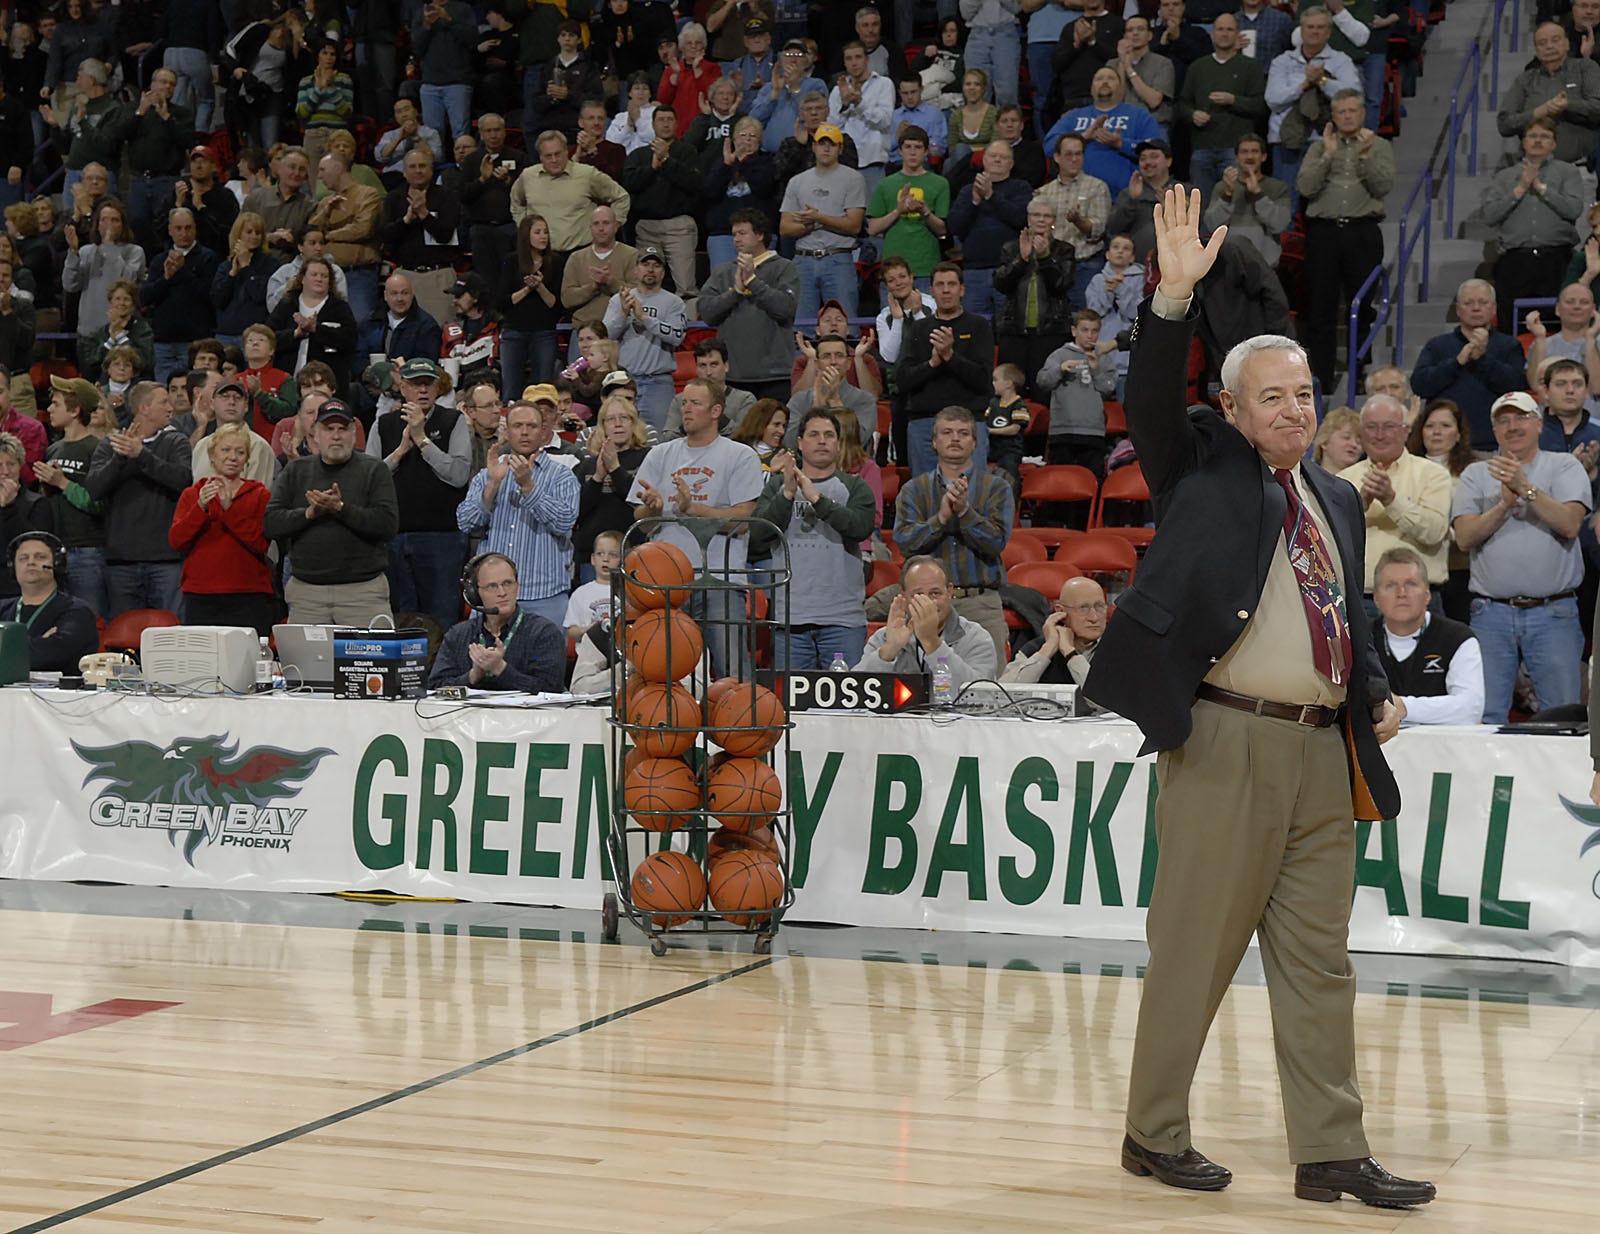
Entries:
{"x":306,"y":654}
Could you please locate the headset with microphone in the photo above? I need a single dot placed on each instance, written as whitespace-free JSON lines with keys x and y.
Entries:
{"x":58,"y":552}
{"x":469,"y":578}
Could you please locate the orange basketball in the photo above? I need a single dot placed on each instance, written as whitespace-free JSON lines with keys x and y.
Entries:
{"x":743,"y":793}
{"x":716,"y":690}
{"x":653,"y":575}
{"x":663,"y":645}
{"x":655,"y":711}
{"x":671,"y":883}
{"x":742,"y":881}
{"x":634,"y":757}
{"x":662,"y":794}
{"x":726,"y":840}
{"x":747,"y":721}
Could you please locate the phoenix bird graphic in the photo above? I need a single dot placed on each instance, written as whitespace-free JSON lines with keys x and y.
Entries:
{"x":1589,"y":816}
{"x":201,"y":771}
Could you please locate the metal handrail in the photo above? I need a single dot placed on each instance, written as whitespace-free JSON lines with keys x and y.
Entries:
{"x":1463,"y":109}
{"x":1411,"y":232}
{"x":1355,"y":353}
{"x":1494,"y":44}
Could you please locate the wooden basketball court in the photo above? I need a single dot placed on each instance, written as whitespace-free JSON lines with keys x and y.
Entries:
{"x":288,"y":1077}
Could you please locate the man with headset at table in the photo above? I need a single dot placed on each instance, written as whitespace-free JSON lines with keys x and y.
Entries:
{"x":500,"y":646}
{"x":61,"y":628}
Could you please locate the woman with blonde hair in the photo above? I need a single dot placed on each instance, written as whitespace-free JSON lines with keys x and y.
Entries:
{"x":971,"y":124}
{"x":616,"y":446}
{"x":219,"y":528}
{"x":90,"y":269}
{"x":1338,"y":441}
{"x":239,"y":287}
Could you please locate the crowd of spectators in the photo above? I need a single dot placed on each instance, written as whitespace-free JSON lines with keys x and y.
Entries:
{"x":332,"y":308}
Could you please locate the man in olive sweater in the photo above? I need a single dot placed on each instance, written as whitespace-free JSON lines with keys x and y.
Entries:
{"x":337,"y":512}
{"x":1224,"y":96}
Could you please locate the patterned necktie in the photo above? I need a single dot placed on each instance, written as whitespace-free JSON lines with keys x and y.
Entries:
{"x":1319,"y":585}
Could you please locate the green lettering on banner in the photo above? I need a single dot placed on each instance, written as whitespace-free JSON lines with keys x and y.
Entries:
{"x":435,"y":805}
{"x":372,"y":853}
{"x":1382,"y":871}
{"x":1033,"y":831}
{"x":1493,"y":909}
{"x":893,"y":823}
{"x":1435,"y":904}
{"x":965,"y":801}
{"x":537,"y":808}
{"x":594,"y":802}
{"x":488,"y":807}
{"x":807,"y":811}
{"x":1147,"y":861}
{"x":1092,"y":823}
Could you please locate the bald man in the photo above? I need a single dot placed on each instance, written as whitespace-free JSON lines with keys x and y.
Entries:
{"x":1071,"y":634}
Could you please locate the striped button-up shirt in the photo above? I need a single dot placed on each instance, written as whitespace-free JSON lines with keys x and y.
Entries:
{"x":1088,"y":194}
{"x":534,"y":529}
{"x":969,"y":545}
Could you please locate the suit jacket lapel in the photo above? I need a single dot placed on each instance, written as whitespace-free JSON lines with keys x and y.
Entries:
{"x":1353,"y":573}
{"x":1274,"y":506}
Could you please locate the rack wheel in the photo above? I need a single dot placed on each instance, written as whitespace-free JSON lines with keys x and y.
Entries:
{"x":764,"y":944}
{"x":658,"y":946}
{"x":609,"y":918}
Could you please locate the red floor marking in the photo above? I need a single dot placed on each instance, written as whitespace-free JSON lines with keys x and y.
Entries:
{"x":30,"y":1021}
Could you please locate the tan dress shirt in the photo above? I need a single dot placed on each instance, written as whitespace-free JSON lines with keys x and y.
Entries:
{"x":1418,"y":517}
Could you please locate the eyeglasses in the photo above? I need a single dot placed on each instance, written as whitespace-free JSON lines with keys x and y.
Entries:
{"x":1378,"y":430}
{"x":509,"y":584}
{"x":1099,"y":606}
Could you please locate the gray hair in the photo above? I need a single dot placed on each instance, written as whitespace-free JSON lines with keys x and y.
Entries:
{"x":12,"y":445}
{"x":95,"y":71}
{"x":1240,"y":352}
{"x":1316,"y":10}
{"x":1471,"y":283}
{"x":693,"y":29}
{"x":813,"y":96}
{"x":1379,"y":402}
{"x":865,"y":10}
{"x":1348,"y":94}
{"x":1370,"y":385}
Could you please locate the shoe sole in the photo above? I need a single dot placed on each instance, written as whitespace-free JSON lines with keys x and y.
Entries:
{"x":1325,"y":1195}
{"x":1133,"y":1165}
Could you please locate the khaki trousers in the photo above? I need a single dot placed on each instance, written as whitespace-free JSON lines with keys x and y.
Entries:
{"x":1254,"y":826}
{"x":986,"y":610}
{"x":432,"y":289}
{"x":356,"y":605}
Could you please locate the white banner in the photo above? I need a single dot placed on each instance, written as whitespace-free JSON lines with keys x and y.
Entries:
{"x":988,"y":825}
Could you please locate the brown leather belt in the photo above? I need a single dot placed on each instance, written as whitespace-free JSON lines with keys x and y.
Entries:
{"x":1527,"y":601}
{"x":1311,"y":715}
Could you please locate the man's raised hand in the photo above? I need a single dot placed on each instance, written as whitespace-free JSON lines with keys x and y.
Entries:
{"x":1183,"y":259}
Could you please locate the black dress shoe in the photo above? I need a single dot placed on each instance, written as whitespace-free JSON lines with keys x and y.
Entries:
{"x":1364,"y":1179}
{"x":1188,"y":1169}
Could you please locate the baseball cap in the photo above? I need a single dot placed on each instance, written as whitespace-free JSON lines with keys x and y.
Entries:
{"x":1153,"y":143}
{"x":834,"y":304}
{"x":232,"y":385}
{"x":797,"y":45}
{"x":419,"y":367}
{"x":470,"y":284}
{"x":84,"y":391}
{"x":335,"y":409}
{"x":831,"y":132}
{"x":649,"y":252}
{"x":615,"y":378}
{"x":758,"y":25}
{"x":543,"y":393}
{"x":202,"y":152}
{"x":1518,"y":400}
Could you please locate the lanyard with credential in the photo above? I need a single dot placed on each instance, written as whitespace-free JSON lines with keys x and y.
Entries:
{"x":35,"y":617}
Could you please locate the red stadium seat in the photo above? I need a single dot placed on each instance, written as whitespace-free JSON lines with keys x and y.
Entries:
{"x":1022,"y":549}
{"x":123,"y":631}
{"x":1072,"y":487}
{"x":1127,"y":487}
{"x":1116,"y":421}
{"x":1101,"y":556}
{"x":884,"y":574}
{"x":1048,"y":538}
{"x":1045,"y":577}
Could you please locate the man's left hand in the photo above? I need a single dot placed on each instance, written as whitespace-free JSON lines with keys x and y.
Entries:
{"x":1388,"y":722}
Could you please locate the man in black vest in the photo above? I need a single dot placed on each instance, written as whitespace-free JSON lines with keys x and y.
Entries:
{"x":1240,"y":656}
{"x":1434,"y":665}
{"x":428,"y":448}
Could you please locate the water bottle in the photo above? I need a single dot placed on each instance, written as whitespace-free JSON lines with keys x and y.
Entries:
{"x":264,"y":668}
{"x":577,"y":367}
{"x":944,"y":685}
{"x":838,"y":665}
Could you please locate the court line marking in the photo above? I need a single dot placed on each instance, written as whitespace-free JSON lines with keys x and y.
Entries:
{"x":377,"y":1103}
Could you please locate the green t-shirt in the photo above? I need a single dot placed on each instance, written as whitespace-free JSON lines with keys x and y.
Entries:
{"x":910,"y":237}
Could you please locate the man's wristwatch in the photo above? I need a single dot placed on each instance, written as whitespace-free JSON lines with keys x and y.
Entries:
{"x":1529,"y":493}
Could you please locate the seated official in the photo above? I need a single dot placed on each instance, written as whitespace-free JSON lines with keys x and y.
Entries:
{"x":923,"y":626}
{"x":501,"y":646}
{"x":1071,"y":633}
{"x":61,"y":628}
{"x":1434,"y":664}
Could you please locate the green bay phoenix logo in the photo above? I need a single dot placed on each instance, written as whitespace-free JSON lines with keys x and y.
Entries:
{"x":201,"y":789}
{"x":1589,"y":816}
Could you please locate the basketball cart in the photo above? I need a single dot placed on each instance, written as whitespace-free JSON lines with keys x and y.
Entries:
{"x":741,"y":612}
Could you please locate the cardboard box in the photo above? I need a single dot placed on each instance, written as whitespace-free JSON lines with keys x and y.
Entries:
{"x":380,"y":663}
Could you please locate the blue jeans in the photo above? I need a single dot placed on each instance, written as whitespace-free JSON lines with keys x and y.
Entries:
{"x":526,"y":357}
{"x":815,"y":647}
{"x":10,"y":193}
{"x":826,"y":278}
{"x":980,"y":296}
{"x":905,"y":13}
{"x":172,"y":358}
{"x":194,"y":89}
{"x":998,"y":52}
{"x":722,"y":617}
{"x":144,"y":584}
{"x":1550,"y":642}
{"x":1082,"y":275}
{"x":552,"y":608}
{"x":720,"y":250}
{"x":446,"y":110}
{"x":1206,"y":168}
{"x":1043,"y":77}
{"x":366,"y":300}
{"x":145,"y":194}
{"x":86,"y":578}
{"x":655,"y":396}
{"x":425,"y":574}
{"x":919,"y":442}
{"x":1372,"y":70}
